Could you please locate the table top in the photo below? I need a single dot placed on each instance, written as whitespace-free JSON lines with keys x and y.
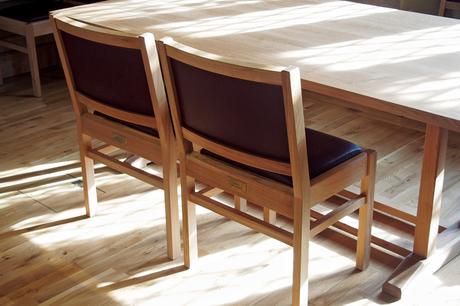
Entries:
{"x":400,"y":62}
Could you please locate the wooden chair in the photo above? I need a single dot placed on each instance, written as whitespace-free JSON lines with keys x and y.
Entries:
{"x":249,"y":121}
{"x":119,"y":78}
{"x":453,"y":5}
{"x":30,"y":20}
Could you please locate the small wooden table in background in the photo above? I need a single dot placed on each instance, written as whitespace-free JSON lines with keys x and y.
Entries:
{"x":405,"y":64}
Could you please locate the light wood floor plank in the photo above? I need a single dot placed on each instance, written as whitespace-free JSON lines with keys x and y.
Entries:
{"x":119,"y":257}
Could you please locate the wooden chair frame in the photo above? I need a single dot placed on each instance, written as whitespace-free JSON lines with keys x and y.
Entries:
{"x":446,"y":4}
{"x":293,"y":202}
{"x":89,"y":126}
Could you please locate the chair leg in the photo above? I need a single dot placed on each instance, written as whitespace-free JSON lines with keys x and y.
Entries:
{"x":188,"y":219}
{"x":300,"y":253}
{"x":171,"y":204}
{"x":89,"y":184}
{"x":363,"y":248}
{"x":33,"y":61}
{"x":269,"y":215}
{"x":240,"y":203}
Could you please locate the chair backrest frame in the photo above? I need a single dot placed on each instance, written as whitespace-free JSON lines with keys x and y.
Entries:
{"x":288,"y":78}
{"x":145,"y":43}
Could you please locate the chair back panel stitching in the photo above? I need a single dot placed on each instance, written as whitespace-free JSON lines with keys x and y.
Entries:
{"x":244,"y":115}
{"x":111,"y":75}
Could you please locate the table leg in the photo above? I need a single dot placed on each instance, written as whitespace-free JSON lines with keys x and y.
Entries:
{"x":428,"y":255}
{"x":430,"y":194}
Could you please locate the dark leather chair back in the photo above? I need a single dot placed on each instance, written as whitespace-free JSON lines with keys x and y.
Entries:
{"x":244,"y":115}
{"x":111,"y":75}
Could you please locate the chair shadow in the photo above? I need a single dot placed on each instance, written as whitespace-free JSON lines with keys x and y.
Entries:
{"x":148,"y":277}
{"x":75,"y":278}
{"x":35,"y":178}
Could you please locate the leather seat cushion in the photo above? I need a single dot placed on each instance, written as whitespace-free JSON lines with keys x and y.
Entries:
{"x":32,"y":12}
{"x":324,"y":153}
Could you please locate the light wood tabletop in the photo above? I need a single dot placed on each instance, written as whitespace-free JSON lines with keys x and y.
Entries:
{"x":402,"y":63}
{"x":408,"y":62}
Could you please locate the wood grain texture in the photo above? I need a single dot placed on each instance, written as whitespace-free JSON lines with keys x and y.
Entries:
{"x":375,"y":57}
{"x":415,"y":271}
{"x":366,"y":212}
{"x":302,"y":191}
{"x":391,"y":70}
{"x":430,"y":198}
{"x":65,"y":262}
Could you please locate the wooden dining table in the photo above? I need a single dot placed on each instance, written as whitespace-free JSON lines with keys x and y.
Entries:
{"x":397,"y":62}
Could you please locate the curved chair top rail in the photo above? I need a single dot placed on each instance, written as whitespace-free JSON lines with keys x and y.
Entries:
{"x":222,"y":65}
{"x":97,"y":33}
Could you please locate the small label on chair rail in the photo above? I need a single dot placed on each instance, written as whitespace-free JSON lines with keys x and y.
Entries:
{"x":237,"y":184}
{"x":119,"y":138}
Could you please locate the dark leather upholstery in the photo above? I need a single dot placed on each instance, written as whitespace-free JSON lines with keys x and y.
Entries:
{"x":33,"y":11}
{"x":249,"y":116}
{"x":245,"y":115}
{"x":111,"y":75}
{"x":324,"y":153}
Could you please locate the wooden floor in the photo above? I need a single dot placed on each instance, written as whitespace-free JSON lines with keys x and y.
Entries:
{"x":50,"y":254}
